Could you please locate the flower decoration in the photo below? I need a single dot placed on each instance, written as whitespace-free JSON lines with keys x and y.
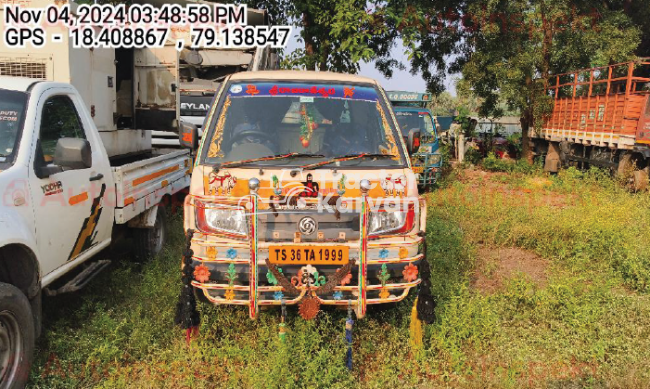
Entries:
{"x":383,"y":254}
{"x":410,"y":272}
{"x":309,"y":308}
{"x":231,"y":253}
{"x":384,"y":276}
{"x":211,"y":252}
{"x":403,"y":252}
{"x":337,"y":295}
{"x":230,"y":294}
{"x":346,"y":280}
{"x":278,"y":295}
{"x":270,"y":277}
{"x":202,"y":273}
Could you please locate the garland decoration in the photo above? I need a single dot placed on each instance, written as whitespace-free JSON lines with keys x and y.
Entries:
{"x":308,"y":124}
{"x":426,"y":303}
{"x":187,"y":317}
{"x":349,"y":323}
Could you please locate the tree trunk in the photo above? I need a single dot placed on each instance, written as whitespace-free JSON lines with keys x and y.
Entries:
{"x":526,"y":122}
{"x":309,"y":41}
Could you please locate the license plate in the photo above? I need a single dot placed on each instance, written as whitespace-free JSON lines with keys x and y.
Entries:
{"x":309,"y":255}
{"x":418,"y":169}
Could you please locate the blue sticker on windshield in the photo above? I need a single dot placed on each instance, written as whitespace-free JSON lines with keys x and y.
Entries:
{"x":307,"y":90}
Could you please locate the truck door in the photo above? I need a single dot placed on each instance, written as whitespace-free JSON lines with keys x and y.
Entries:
{"x":156,"y":88}
{"x":71,"y":213}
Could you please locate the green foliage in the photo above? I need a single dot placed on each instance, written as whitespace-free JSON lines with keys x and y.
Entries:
{"x":494,"y":164}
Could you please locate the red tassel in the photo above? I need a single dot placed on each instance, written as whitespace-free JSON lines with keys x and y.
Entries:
{"x":191,"y":332}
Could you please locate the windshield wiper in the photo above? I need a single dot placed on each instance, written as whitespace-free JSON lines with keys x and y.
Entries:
{"x":269,"y":158}
{"x":344,"y":158}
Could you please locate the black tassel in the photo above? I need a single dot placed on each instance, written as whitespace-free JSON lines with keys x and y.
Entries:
{"x":426,"y":302}
{"x":349,"y":323}
{"x":187,"y":317}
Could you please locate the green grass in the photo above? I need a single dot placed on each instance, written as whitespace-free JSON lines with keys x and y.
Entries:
{"x":589,"y":326}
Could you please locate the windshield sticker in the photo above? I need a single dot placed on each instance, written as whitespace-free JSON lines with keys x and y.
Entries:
{"x":235,"y":89}
{"x":215,"y":147}
{"x":307,"y":90}
{"x":391,"y":145}
{"x":306,"y":99}
{"x":8,"y":116}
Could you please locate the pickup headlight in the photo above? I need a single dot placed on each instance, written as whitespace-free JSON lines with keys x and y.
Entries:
{"x":384,"y":221}
{"x":435,"y":159}
{"x":218,"y":218}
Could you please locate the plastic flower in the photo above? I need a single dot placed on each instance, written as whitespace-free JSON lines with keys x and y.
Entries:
{"x":410,"y":272}
{"x":383,"y":254}
{"x":337,"y":295}
{"x":202,"y":273}
{"x":230,"y":294}
{"x":403,"y":252}
{"x":231,"y":253}
{"x":346,"y":280}
{"x":278,"y":295}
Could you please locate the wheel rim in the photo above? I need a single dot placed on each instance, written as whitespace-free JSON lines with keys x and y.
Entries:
{"x":11,"y":348}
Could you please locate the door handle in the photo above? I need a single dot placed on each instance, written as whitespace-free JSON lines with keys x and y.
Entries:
{"x":97,"y":177}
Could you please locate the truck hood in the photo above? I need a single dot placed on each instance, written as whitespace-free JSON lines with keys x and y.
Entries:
{"x":233,"y":183}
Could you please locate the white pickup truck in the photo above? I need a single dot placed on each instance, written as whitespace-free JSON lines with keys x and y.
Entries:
{"x":61,"y":200}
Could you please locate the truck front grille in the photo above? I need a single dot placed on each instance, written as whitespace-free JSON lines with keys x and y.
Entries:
{"x":24,"y":67}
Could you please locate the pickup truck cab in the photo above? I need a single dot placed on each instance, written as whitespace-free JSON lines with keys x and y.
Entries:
{"x":303,"y":194}
{"x":411,"y":112}
{"x":62,"y":199}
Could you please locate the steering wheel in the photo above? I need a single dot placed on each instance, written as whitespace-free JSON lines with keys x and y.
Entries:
{"x":255,"y":133}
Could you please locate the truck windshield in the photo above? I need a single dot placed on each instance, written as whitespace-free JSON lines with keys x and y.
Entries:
{"x":12,"y":113}
{"x":409,"y":120}
{"x":310,"y":122}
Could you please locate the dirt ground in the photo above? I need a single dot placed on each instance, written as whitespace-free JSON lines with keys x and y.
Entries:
{"x":496,"y":265}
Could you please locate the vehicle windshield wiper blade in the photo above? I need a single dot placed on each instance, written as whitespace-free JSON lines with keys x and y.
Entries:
{"x":268,"y":158}
{"x":344,"y":158}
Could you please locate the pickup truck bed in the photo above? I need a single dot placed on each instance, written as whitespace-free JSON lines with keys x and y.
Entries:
{"x":142,"y":184}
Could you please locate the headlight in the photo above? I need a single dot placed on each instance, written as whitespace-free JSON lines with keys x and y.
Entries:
{"x":435,"y":159}
{"x":385,"y":221}
{"x":221,"y":219}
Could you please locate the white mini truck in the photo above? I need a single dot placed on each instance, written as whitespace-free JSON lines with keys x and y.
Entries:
{"x":62,"y":199}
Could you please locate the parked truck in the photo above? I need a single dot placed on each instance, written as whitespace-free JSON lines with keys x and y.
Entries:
{"x":412,"y":113}
{"x":601,"y":117}
{"x":303,"y":194}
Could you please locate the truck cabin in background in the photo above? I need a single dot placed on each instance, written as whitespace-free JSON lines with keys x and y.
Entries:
{"x":133,"y":93}
{"x":601,"y":117}
{"x":413,"y":115}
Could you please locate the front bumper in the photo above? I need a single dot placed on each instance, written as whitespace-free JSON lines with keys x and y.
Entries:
{"x":382,"y":271}
{"x":430,"y":172}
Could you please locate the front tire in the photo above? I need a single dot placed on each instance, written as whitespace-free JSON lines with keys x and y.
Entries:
{"x":150,"y":241}
{"x":17,"y":337}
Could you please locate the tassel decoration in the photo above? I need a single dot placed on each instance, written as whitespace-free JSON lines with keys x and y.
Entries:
{"x":282,"y":330}
{"x":187,"y":317}
{"x":426,"y":303}
{"x":349,"y":323}
{"x":415,"y":327}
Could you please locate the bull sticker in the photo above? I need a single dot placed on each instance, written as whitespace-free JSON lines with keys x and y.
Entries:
{"x":394,"y":186}
{"x":52,"y":188}
{"x":87,"y":234}
{"x":221,"y":184}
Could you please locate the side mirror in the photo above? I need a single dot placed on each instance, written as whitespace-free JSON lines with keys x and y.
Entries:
{"x":69,"y":154}
{"x":188,"y":136}
{"x":73,"y":153}
{"x":413,"y":142}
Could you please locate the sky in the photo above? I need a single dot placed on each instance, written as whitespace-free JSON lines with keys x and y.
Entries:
{"x":401,"y":80}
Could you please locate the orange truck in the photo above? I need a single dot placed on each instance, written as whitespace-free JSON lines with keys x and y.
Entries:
{"x":601,"y":117}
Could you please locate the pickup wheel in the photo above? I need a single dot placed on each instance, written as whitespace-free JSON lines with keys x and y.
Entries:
{"x":150,"y":241}
{"x":17,"y":337}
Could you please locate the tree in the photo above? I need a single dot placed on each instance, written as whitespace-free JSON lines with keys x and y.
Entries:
{"x":518,"y":44}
